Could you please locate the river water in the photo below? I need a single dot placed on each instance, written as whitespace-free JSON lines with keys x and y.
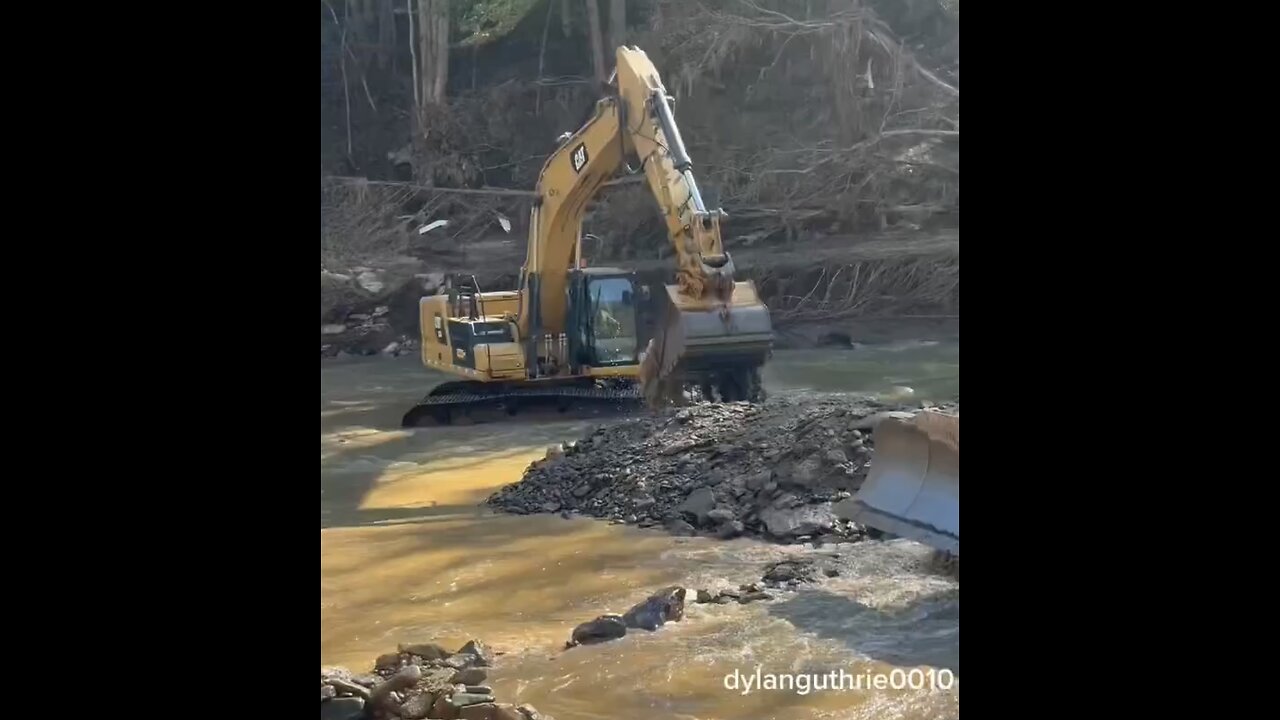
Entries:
{"x":408,"y":554}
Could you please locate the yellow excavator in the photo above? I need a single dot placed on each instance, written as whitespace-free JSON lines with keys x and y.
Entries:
{"x":571,"y":333}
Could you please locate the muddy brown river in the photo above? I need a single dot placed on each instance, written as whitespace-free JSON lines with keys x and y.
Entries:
{"x":408,"y":554}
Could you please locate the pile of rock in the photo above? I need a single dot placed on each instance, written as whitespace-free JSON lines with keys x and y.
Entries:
{"x":419,"y":681}
{"x":782,"y":470}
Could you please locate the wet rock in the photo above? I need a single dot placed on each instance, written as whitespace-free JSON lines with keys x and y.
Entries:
{"x":442,"y":709}
{"x":406,"y":678}
{"x":803,"y":520}
{"x":427,"y":651}
{"x":871,"y":421}
{"x":703,"y":596}
{"x":720,"y":515}
{"x":334,"y":329}
{"x":757,"y":480}
{"x":463,"y":699}
{"x":830,"y":572}
{"x":531,"y":713}
{"x":347,"y":687}
{"x":418,"y":706}
{"x":389,"y":661}
{"x":786,"y":570}
{"x":698,"y":504}
{"x":753,"y":597}
{"x":470,"y":676}
{"x":680,"y":527}
{"x":602,"y":629}
{"x":334,"y":671}
{"x":666,"y":605}
{"x":461,"y":660}
{"x":484,"y":655}
{"x":845,"y":509}
{"x":327,"y":693}
{"x":730,"y":530}
{"x":550,"y":507}
{"x":342,"y":709}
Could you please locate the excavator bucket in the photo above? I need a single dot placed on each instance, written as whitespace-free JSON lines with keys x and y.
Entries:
{"x":913,"y":490}
{"x":708,"y":343}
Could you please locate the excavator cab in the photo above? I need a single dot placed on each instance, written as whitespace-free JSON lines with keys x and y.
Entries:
{"x":605,"y":316}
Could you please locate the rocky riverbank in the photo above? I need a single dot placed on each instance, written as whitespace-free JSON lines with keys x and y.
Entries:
{"x":782,"y":470}
{"x":418,"y":681}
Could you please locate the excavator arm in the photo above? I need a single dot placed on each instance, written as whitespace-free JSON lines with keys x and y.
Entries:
{"x":714,"y":330}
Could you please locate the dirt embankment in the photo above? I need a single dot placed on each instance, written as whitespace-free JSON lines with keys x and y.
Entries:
{"x":783,"y":470}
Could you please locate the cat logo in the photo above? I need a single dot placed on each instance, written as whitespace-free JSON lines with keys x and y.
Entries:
{"x":579,"y":158}
{"x":461,"y":353}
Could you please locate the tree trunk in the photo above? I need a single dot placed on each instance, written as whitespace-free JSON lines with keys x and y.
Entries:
{"x":386,"y":32}
{"x":433,"y":54}
{"x":617,"y":25}
{"x":597,"y":43}
{"x":441,"y":83}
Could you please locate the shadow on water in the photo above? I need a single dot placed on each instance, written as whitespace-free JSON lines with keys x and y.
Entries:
{"x":925,"y":632}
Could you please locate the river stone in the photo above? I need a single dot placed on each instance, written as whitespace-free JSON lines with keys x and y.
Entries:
{"x":341,"y":709}
{"x":327,"y":692}
{"x":470,"y":676}
{"x":804,"y":520}
{"x":428,"y":651}
{"x":389,"y":661}
{"x":757,"y":480}
{"x":698,"y":504}
{"x":846,"y":509}
{"x":603,"y":628}
{"x":787,"y":570}
{"x":754,"y":596}
{"x":461,"y":660}
{"x":679,"y":527}
{"x":666,"y":605}
{"x":334,"y":671}
{"x":703,"y":596}
{"x":417,"y":707}
{"x":730,"y":530}
{"x":871,"y":421}
{"x":443,"y":709}
{"x":484,"y":655}
{"x":720,"y":515}
{"x":530,"y":713}
{"x":463,"y":699}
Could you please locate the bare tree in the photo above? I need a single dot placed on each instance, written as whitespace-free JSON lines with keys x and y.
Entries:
{"x":386,"y":32}
{"x":597,"y":42}
{"x":617,"y":24}
{"x":433,"y":51}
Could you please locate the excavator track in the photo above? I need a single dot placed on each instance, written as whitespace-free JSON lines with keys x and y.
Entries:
{"x":444,"y":402}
